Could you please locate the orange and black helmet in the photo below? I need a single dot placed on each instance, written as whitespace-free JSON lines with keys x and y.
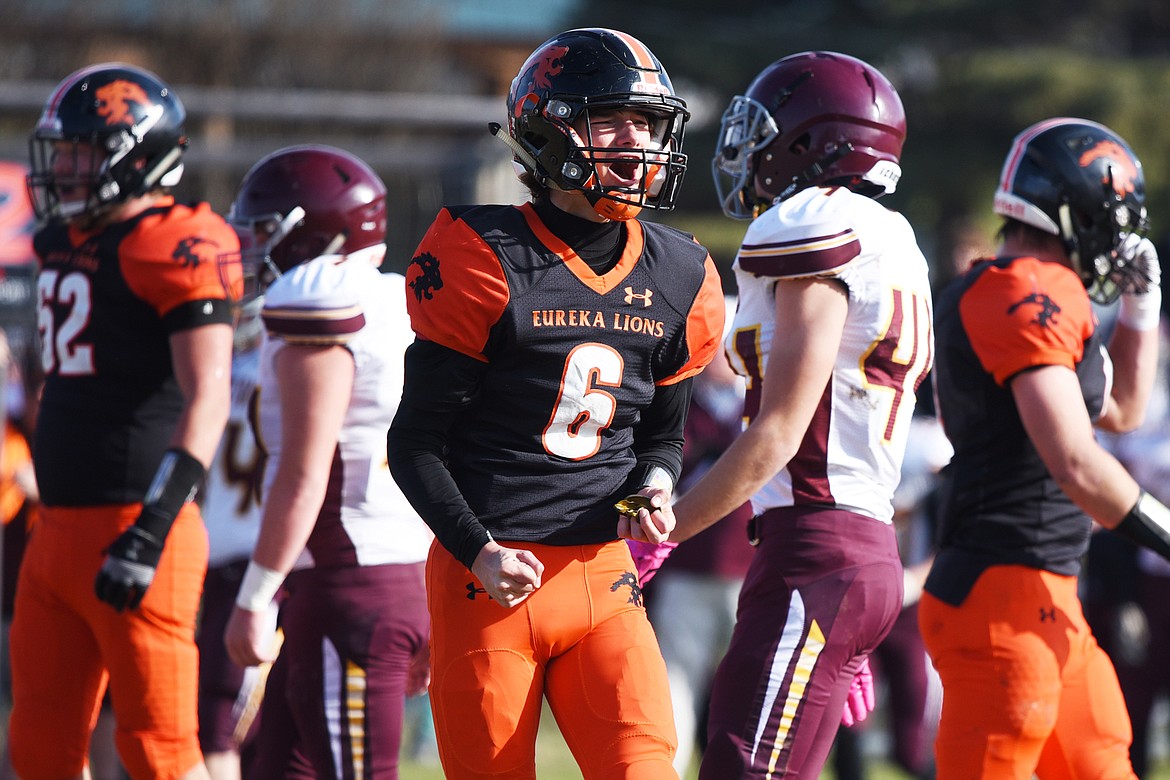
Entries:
{"x":132,"y":121}
{"x":580,"y":70}
{"x":1078,"y":180}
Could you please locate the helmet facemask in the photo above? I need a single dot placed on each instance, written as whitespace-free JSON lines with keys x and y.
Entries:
{"x":260,"y":238}
{"x":1093,"y":242}
{"x":560,"y":140}
{"x":747,"y":128}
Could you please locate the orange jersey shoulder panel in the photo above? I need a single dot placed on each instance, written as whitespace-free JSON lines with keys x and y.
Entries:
{"x":172,"y":257}
{"x":704,"y":325}
{"x":456,"y":290}
{"x":1028,"y":313}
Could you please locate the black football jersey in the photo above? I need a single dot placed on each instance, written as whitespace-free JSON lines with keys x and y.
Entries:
{"x":107,"y":303}
{"x":572,"y":359}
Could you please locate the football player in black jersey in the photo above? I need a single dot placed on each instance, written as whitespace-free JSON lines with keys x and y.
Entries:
{"x":1024,"y":374}
{"x":136,"y":341}
{"x":549,"y":379}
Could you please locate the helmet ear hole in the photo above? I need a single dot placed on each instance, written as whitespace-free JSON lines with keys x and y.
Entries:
{"x":800,"y":146}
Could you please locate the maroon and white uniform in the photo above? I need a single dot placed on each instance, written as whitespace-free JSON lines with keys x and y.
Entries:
{"x":231,"y":512}
{"x":826,"y":583}
{"x":356,"y":607}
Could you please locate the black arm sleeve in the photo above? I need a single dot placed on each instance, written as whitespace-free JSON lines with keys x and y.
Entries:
{"x":658,"y":439}
{"x":439,"y":384}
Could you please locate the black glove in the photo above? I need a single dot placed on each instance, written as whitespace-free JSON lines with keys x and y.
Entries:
{"x":128,"y":569}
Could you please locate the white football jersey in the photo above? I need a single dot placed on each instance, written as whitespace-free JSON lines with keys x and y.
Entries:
{"x":365,"y":519}
{"x":231,"y":496}
{"x":851,"y":455}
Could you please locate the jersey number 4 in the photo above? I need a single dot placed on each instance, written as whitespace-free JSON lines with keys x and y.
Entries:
{"x":61,"y":350}
{"x":892,"y":367}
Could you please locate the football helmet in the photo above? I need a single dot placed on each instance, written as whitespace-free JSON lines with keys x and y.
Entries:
{"x":1078,"y":180}
{"x":108,"y":133}
{"x":302,"y":202}
{"x":568,"y":76}
{"x":812,"y":118}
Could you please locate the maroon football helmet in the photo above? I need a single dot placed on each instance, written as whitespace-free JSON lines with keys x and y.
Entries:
{"x":581,"y":70}
{"x":302,"y":202}
{"x":812,"y":118}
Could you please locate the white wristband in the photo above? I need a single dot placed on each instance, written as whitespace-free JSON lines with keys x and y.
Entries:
{"x":659,"y":478}
{"x":1141,"y":312}
{"x":258,"y":588}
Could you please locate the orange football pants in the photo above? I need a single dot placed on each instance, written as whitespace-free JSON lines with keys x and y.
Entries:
{"x":65,"y":645}
{"x":1025,"y":686}
{"x":582,"y":640}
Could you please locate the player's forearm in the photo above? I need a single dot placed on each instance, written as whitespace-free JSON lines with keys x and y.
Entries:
{"x":291,"y":509}
{"x":1135,"y":364}
{"x":736,"y":476}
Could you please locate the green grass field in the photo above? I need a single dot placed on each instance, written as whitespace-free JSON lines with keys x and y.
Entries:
{"x":554,"y":762}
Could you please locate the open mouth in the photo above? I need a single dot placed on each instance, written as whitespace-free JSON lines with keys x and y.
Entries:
{"x":625,"y":171}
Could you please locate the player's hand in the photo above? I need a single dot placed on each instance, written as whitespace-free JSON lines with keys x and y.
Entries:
{"x":509,"y":576}
{"x":649,"y":520}
{"x":418,"y":674}
{"x":1143,"y":272}
{"x":860,"y":701}
{"x":128,"y":569}
{"x":249,"y":637}
{"x":1140,"y":280}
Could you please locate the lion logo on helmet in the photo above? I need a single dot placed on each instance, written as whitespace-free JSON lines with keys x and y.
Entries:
{"x":116,"y":101}
{"x":1123,"y":174}
{"x":537,"y":77}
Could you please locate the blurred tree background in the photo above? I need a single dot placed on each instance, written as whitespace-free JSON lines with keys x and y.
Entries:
{"x":971,"y":73}
{"x":410,"y":85}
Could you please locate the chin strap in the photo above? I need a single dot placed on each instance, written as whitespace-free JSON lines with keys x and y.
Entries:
{"x":814,"y":171}
{"x":519,"y":151}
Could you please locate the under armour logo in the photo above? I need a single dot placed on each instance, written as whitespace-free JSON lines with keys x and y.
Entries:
{"x":1047,"y":615}
{"x":472,"y":590}
{"x":630,"y":579}
{"x":643,"y":297}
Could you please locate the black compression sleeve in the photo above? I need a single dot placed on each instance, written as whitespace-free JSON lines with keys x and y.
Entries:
{"x":658,"y":438}
{"x":1147,"y":524}
{"x":179,"y":473}
{"x":439,"y":384}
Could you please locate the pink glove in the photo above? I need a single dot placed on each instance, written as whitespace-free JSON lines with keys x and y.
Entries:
{"x":648,"y":557}
{"x":860,"y":701}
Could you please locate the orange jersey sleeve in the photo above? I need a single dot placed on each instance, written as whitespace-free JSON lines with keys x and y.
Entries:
{"x":704,"y":325}
{"x":453,"y":255}
{"x":172,"y":257}
{"x":1026,"y":314}
{"x":15,"y":456}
